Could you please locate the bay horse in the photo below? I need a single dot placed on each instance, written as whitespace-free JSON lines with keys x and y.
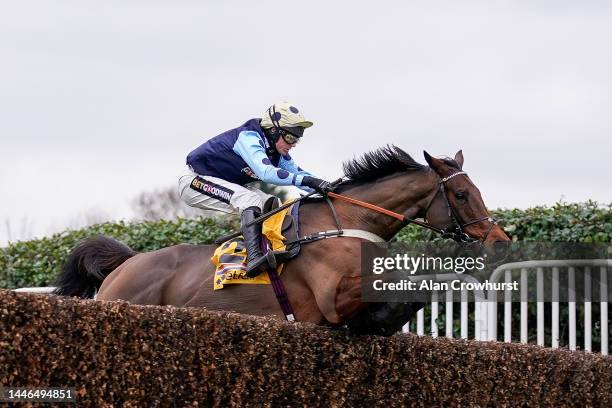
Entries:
{"x":323,"y":283}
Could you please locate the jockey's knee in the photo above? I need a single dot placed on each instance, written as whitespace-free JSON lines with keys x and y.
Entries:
{"x":250,"y":201}
{"x":264,"y":202}
{"x":271,"y":203}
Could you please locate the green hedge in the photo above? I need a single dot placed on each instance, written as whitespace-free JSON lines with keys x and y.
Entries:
{"x":563,"y":222}
{"x":37,"y":262}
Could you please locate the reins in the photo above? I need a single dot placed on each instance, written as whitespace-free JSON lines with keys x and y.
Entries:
{"x":381,"y":210}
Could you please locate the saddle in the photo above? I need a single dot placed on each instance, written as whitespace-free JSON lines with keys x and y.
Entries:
{"x":278,"y":240}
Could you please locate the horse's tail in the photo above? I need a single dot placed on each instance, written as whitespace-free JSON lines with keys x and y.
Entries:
{"x":88,"y":264}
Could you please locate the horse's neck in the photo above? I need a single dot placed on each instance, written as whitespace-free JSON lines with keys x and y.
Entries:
{"x":405,"y":193}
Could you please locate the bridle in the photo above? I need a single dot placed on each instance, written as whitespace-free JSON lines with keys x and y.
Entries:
{"x":456,"y":232}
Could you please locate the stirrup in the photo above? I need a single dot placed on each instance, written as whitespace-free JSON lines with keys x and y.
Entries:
{"x":271,"y":258}
{"x":259,"y":265}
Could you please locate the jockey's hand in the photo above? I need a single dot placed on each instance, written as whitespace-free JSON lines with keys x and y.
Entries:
{"x":317,"y":184}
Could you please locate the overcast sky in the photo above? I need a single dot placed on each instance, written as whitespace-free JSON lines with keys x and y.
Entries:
{"x":101,"y":100}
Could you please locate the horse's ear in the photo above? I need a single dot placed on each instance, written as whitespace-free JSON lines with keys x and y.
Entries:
{"x":428,"y":158}
{"x":459,"y":158}
{"x":433,"y":162}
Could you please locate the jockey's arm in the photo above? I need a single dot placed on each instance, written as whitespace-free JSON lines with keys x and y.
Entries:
{"x":287,"y":163}
{"x":252,"y":152}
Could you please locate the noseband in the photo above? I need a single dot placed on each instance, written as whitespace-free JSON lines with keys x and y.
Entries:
{"x":456,"y":232}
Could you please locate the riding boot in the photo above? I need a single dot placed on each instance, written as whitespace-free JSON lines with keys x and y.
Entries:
{"x":256,"y":261}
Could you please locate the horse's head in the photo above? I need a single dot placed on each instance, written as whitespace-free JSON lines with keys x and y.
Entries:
{"x":457,"y":205}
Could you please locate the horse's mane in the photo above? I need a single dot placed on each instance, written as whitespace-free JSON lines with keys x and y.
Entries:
{"x":380,"y":163}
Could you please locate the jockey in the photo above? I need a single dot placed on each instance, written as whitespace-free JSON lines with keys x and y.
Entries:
{"x":221,"y":168}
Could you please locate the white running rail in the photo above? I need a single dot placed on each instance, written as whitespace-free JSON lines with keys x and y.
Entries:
{"x":585,"y":268}
{"x":480,"y":310}
{"x":486,"y":304}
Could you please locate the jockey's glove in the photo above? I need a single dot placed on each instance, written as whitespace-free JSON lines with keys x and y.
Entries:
{"x":317,"y":184}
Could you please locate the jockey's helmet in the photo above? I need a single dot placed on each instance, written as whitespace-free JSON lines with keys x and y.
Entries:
{"x":287,"y":117}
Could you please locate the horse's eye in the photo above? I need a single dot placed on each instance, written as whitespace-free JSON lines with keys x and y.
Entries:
{"x":460,"y":195}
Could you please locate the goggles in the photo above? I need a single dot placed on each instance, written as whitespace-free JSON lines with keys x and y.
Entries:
{"x":288,"y":137}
